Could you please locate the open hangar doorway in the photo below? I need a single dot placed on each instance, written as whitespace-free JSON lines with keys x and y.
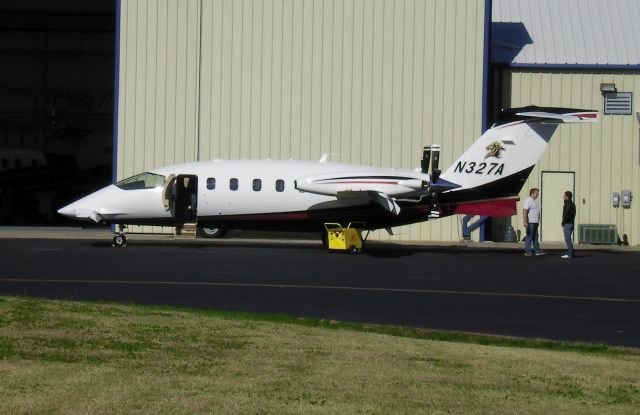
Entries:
{"x":56,"y":105}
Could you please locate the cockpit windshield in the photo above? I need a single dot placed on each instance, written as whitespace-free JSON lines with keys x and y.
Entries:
{"x":142,"y":181}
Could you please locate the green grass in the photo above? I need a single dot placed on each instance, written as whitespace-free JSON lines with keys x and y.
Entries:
{"x":75,"y":357}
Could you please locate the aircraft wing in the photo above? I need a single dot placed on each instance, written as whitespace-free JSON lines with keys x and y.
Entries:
{"x":384,"y":200}
{"x":381,"y":186}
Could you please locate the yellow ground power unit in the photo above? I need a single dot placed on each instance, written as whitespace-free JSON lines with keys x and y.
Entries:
{"x":347,"y":239}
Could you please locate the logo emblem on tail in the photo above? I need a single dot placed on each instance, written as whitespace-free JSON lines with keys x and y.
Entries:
{"x":494,"y":149}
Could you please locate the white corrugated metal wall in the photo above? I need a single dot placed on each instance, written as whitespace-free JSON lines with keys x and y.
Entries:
{"x":605,"y":156}
{"x":369,"y":82}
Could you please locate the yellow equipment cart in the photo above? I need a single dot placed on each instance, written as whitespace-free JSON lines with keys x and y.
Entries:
{"x":347,"y":239}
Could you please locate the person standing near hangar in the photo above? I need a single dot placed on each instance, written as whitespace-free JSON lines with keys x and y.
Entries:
{"x":568,"y":217}
{"x":531,"y":215}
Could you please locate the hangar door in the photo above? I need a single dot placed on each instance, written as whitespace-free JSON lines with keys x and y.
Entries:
{"x":554,"y":184}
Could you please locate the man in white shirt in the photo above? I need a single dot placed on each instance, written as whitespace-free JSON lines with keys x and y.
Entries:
{"x":531,"y":218}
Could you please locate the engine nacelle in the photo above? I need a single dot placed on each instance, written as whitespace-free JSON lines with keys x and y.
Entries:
{"x":400,"y":185}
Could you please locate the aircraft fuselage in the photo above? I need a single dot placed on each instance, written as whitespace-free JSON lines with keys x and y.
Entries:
{"x":263,"y":194}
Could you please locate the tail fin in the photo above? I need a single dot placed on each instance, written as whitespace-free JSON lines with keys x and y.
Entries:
{"x":497,"y":165}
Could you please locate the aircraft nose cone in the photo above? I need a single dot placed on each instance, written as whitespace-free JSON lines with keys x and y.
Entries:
{"x":74,"y":211}
{"x":90,"y":207}
{"x":67,"y":211}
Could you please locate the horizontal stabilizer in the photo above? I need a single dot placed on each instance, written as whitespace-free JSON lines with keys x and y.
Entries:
{"x":582,"y":116}
{"x":548,"y":114}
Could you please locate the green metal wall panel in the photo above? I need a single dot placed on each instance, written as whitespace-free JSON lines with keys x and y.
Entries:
{"x":367,"y":81}
{"x":605,"y":156}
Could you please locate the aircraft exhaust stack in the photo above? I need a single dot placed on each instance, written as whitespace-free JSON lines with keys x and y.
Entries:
{"x":435,"y":162}
{"x":426,"y":160}
{"x":431,"y":158}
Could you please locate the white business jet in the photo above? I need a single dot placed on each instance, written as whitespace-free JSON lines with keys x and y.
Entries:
{"x":304,"y":195}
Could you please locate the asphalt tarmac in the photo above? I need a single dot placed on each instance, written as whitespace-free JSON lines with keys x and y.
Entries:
{"x":592,"y":298}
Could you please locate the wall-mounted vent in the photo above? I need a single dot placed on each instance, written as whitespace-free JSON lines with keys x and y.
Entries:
{"x":618,"y":103}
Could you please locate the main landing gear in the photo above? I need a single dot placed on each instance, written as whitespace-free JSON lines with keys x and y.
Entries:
{"x":119,"y":238}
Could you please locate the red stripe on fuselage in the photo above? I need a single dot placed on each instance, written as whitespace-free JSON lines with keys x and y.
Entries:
{"x":493,"y":207}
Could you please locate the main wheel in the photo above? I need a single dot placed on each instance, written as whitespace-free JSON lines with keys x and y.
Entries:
{"x":119,"y":240}
{"x":325,"y":240}
{"x":209,"y":232}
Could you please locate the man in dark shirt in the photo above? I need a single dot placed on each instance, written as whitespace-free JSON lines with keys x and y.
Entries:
{"x":568,"y":217}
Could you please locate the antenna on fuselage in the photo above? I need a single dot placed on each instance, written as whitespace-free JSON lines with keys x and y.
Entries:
{"x":325,"y":157}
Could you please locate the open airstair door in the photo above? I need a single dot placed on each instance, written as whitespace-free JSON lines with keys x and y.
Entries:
{"x":181,"y":199}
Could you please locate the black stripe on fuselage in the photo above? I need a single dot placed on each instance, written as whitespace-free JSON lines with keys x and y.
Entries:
{"x":305,"y":221}
{"x":505,"y":187}
{"x":366,"y":177}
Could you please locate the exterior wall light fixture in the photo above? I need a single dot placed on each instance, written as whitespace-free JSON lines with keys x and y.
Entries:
{"x":606,"y":88}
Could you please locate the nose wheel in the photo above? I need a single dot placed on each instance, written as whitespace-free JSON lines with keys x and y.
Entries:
{"x":119,"y":238}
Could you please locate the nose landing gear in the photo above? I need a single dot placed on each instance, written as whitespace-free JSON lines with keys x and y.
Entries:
{"x":119,"y":238}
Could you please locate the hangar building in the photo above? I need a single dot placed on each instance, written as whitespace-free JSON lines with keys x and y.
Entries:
{"x":56,"y":105}
{"x":367,"y":82}
{"x":579,"y":54}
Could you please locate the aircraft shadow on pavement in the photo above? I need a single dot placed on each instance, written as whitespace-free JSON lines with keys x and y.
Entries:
{"x":209,"y":245}
{"x":375,"y":249}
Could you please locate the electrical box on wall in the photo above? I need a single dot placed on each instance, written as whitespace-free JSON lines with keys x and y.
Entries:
{"x":615,"y":199}
{"x":625,"y":199}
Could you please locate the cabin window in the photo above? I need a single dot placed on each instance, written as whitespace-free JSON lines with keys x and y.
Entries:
{"x":5,"y":163}
{"x":142,"y":181}
{"x":211,"y":183}
{"x":257,"y":185}
{"x":233,"y":184}
{"x":17,"y":163}
{"x":34,"y":162}
{"x":279,"y":185}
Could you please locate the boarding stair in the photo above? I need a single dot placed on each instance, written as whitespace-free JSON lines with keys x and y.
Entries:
{"x":186,"y":231}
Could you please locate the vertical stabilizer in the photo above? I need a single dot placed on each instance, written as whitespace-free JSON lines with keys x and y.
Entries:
{"x":499,"y":162}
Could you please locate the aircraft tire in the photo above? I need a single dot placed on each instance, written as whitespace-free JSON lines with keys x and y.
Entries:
{"x":119,"y":240}
{"x":211,"y":232}
{"x":325,"y":240}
